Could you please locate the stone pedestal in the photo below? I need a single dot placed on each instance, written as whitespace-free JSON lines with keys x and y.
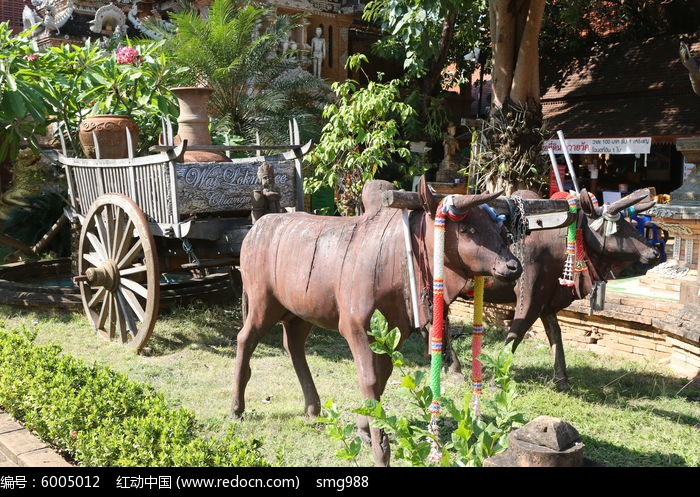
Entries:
{"x":681,"y":218}
{"x":543,"y":442}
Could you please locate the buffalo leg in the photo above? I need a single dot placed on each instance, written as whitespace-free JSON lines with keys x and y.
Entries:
{"x":373,"y":372}
{"x":296,"y":332}
{"x":522,"y":321}
{"x":258,"y":322}
{"x":553,"y":330}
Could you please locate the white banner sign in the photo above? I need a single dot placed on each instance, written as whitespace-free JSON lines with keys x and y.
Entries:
{"x":634,"y":145}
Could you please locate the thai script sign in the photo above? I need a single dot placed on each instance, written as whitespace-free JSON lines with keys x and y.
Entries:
{"x":228,"y":186}
{"x":632,"y":145}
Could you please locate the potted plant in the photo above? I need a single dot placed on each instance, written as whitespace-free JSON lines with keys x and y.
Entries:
{"x":129,"y":89}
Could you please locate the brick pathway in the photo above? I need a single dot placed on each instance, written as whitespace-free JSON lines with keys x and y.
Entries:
{"x":20,"y":448}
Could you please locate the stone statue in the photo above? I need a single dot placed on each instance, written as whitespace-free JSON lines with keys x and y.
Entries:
{"x":284,"y":45}
{"x":693,"y":67}
{"x":293,"y":50}
{"x":318,"y":51}
{"x":267,"y":199}
{"x":30,"y":17}
{"x":449,"y":169}
{"x":29,"y":173}
{"x":108,"y":16}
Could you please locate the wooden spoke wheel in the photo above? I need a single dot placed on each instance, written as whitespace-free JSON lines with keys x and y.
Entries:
{"x":119,"y":277}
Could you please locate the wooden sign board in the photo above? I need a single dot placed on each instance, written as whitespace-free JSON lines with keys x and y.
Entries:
{"x":228,"y":186}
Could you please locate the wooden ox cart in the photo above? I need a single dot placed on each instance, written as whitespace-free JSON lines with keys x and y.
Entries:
{"x":144,"y":218}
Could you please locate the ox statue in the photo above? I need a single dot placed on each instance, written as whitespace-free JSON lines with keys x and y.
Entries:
{"x":608,"y":239}
{"x":306,"y":270}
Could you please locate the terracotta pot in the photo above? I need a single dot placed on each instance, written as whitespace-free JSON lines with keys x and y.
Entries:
{"x":193,"y":123}
{"x":111,"y":135}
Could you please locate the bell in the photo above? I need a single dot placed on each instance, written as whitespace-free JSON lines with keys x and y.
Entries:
{"x":598,"y":297}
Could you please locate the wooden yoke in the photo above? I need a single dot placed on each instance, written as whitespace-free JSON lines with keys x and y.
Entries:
{"x":540,"y":213}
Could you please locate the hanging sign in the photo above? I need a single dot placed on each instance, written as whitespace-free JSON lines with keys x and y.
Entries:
{"x":632,"y":145}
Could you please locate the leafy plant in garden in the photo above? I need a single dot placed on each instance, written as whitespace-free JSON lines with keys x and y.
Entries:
{"x":465,"y":439}
{"x":363,"y":134}
{"x":98,"y":417}
{"x":23,"y":104}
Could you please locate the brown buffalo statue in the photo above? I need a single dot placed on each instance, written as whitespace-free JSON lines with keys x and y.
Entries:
{"x":538,"y":292}
{"x":305,"y":270}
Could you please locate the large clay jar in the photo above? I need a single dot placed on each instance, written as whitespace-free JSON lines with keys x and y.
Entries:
{"x":111,"y":135}
{"x":193,"y":123}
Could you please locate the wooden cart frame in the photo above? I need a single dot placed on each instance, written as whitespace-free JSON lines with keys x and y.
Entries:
{"x":141,"y":217}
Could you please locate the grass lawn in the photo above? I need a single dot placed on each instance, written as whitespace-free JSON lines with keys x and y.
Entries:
{"x":627,"y":413}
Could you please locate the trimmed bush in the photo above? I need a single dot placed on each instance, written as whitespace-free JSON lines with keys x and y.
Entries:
{"x":97,"y":417}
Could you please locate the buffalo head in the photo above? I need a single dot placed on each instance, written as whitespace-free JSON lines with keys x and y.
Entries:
{"x":475,"y":242}
{"x":610,"y":235}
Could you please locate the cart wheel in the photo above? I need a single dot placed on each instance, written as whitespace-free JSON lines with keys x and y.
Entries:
{"x":118,"y":271}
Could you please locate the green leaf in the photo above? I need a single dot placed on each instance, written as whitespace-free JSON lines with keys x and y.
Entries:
{"x":393,"y":338}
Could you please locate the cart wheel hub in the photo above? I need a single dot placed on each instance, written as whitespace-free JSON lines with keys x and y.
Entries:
{"x":105,"y":275}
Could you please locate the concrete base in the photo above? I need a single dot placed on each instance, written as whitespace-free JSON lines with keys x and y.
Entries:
{"x":689,"y":291}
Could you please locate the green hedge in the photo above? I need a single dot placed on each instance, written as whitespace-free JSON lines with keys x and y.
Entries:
{"x":99,"y":418}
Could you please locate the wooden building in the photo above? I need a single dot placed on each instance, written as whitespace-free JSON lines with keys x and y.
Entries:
{"x":628,"y":90}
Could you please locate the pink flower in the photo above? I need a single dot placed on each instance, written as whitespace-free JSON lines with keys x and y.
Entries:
{"x":127,"y":55}
{"x":31,"y":57}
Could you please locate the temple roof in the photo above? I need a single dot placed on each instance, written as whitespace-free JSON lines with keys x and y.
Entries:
{"x":628,"y":89}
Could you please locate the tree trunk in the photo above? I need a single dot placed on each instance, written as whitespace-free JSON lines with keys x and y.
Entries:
{"x":515,"y":31}
{"x":514,"y":131}
{"x":431,"y":83}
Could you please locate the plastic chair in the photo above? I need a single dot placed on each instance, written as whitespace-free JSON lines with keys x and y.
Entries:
{"x":651,"y":232}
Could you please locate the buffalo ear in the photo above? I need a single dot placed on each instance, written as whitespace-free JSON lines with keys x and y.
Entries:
{"x":587,"y":205}
{"x":429,"y":201}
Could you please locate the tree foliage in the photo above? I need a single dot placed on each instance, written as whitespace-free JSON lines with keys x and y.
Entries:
{"x":23,"y":105}
{"x":362,"y":135}
{"x":87,"y":79}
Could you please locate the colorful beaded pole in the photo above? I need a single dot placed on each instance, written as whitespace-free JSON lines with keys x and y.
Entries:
{"x":445,"y":210}
{"x":477,"y":334}
{"x":567,"y":278}
{"x":436,"y":332}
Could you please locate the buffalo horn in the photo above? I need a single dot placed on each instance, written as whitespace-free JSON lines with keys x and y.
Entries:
{"x":643,"y":206}
{"x":625,"y":202}
{"x":464,"y":202}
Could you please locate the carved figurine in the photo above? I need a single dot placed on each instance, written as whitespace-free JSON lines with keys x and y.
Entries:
{"x":449,"y":169}
{"x":267,"y":199}
{"x":318,"y":51}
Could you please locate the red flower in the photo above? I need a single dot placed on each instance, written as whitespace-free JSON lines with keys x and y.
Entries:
{"x":127,"y":55}
{"x":31,"y":57}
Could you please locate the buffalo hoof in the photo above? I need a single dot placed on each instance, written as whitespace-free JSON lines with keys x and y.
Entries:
{"x":364,"y":436}
{"x":313,"y":411}
{"x":382,"y":451}
{"x":237,"y":411}
{"x":562,"y":386}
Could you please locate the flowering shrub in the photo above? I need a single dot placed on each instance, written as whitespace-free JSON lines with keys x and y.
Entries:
{"x":127,"y":55}
{"x":132,"y":80}
{"x":120,"y":84}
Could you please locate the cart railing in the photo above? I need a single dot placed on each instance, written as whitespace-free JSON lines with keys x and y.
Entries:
{"x":149,"y":181}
